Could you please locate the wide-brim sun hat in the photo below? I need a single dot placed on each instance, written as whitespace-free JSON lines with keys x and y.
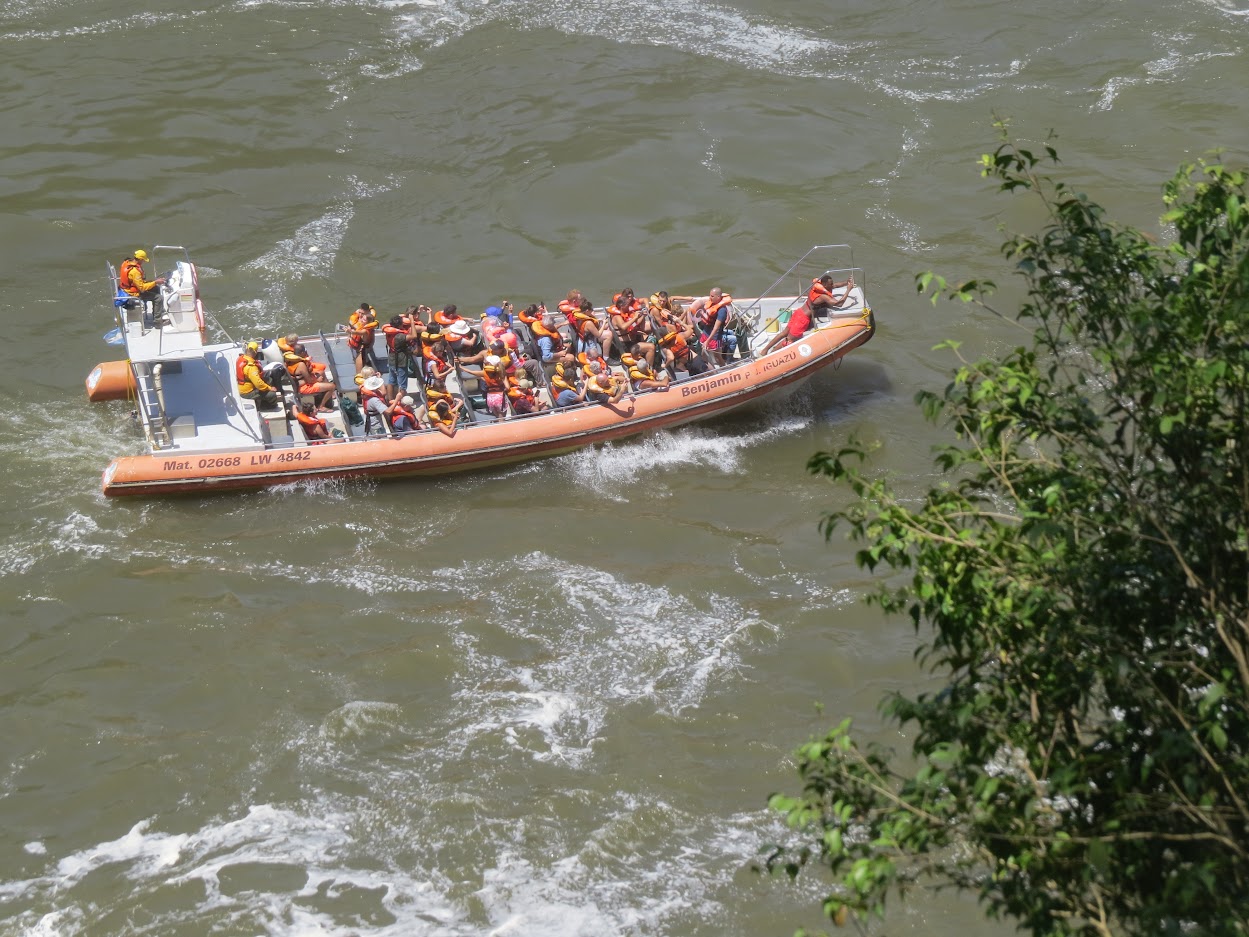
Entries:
{"x":374,"y":383}
{"x":460,"y":328}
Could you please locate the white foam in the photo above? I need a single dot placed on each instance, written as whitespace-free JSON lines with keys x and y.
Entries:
{"x":599,"y":469}
{"x":688,"y":26}
{"x":144,"y":852}
{"x":360,"y":718}
{"x":293,"y":257}
{"x":1176,"y":60}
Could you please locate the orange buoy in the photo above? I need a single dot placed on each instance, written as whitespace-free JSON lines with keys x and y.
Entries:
{"x":110,"y":380}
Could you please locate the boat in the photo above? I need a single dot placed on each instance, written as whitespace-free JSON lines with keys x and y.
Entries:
{"x":201,"y":437}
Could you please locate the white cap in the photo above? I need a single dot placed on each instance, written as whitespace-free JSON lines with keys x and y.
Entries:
{"x":492,"y":360}
{"x":407,"y":400}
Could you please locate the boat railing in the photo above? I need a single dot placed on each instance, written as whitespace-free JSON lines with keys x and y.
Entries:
{"x":792,"y":285}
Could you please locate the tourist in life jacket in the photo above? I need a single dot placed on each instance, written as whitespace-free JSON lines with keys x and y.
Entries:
{"x":403,"y":416}
{"x":131,"y":279}
{"x":821,"y":298}
{"x":431,"y":339}
{"x":361,"y":327}
{"x":711,"y":312}
{"x":434,"y":391}
{"x":447,"y":316}
{"x":564,"y":382}
{"x":465,"y":343}
{"x":373,"y":402}
{"x":436,"y":366}
{"x":250,"y":380}
{"x":514,"y":360}
{"x":550,"y":342}
{"x":398,"y":325}
{"x":314,"y":427}
{"x":642,"y":371}
{"x":532,"y":314}
{"x":521,"y":394}
{"x":627,"y":319}
{"x":607,"y":389}
{"x":493,"y":379}
{"x":570,"y":304}
{"x":403,"y":365}
{"x":444,"y":416}
{"x":307,"y":378}
{"x":592,"y":354}
{"x":589,"y":329}
{"x":674,"y":346}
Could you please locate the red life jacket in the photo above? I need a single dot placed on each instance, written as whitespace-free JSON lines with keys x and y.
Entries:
{"x":239,"y":376}
{"x":390,"y":332}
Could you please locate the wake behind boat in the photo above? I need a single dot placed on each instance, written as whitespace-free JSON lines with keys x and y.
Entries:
{"x":202,"y":435}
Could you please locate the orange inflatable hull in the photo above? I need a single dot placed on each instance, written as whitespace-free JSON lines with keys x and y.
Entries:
{"x":482,"y":446}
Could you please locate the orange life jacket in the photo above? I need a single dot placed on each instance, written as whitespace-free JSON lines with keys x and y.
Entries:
{"x":580,"y":320}
{"x":708,"y":315}
{"x":817,"y":289}
{"x":239,"y":364}
{"x":639,"y":371}
{"x":493,"y":379}
{"x":366,"y":395}
{"x":362,"y":327}
{"x":585,"y":363}
{"x":292,"y":362}
{"x":309,"y":422}
{"x":444,"y":320}
{"x":557,"y":340}
{"x":528,"y":319}
{"x":520,"y":393}
{"x":675,"y":342}
{"x":123,"y":275}
{"x":568,"y":308}
{"x":401,"y":410}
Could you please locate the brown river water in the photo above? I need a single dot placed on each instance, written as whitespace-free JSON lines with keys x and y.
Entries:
{"x":551,"y":699}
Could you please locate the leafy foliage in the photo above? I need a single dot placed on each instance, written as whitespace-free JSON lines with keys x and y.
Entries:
{"x":1082,"y":582}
